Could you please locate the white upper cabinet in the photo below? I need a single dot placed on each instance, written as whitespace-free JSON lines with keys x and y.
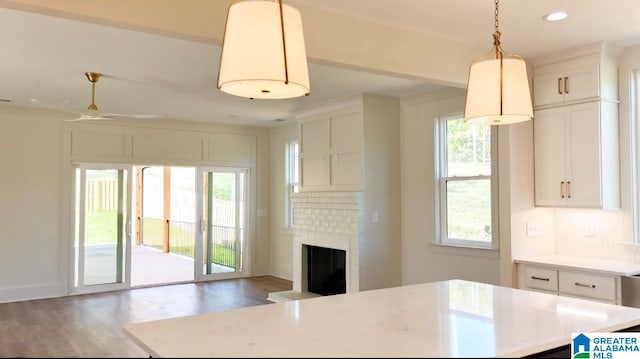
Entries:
{"x":337,"y":138}
{"x":575,"y":156}
{"x":331,"y":150}
{"x":565,"y":82}
{"x":576,"y":131}
{"x":566,"y":79}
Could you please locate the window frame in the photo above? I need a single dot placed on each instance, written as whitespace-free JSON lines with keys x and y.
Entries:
{"x":291,"y":179}
{"x":441,"y":237}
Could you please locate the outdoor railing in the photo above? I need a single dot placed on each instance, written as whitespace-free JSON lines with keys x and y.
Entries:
{"x":182,"y":239}
{"x":223,"y":250}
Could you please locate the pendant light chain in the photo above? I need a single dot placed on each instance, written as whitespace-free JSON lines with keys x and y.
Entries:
{"x":496,"y":13}
{"x":496,"y":33}
{"x":498,"y":51}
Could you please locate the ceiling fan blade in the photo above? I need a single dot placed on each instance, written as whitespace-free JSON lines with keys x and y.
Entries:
{"x":92,"y":112}
{"x":149,"y":116}
{"x":88,"y":118}
{"x":98,"y":115}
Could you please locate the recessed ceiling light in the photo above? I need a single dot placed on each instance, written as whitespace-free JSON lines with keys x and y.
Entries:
{"x":556,"y":16}
{"x":34,"y":100}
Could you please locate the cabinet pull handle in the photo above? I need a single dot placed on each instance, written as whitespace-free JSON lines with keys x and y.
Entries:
{"x":539,"y":278}
{"x":566,"y":85}
{"x":559,"y":86}
{"x":561,"y":189}
{"x":578,"y":284}
{"x":568,"y":189}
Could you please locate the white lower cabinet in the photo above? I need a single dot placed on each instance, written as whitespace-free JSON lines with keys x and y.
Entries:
{"x":587,"y":285}
{"x":571,"y":283}
{"x":540,"y":279}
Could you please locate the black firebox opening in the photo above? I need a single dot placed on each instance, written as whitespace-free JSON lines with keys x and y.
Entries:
{"x":326,"y":270}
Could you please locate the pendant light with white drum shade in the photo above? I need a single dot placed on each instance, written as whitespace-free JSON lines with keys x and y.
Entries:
{"x":263,"y":51}
{"x":498,"y":88}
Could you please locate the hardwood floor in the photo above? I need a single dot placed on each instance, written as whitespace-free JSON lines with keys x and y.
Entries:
{"x":90,"y":325}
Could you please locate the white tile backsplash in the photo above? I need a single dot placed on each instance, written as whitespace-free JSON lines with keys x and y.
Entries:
{"x":611,"y":236}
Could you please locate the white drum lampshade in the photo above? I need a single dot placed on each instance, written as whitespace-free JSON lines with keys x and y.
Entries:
{"x":498,"y":91}
{"x":263,"y":51}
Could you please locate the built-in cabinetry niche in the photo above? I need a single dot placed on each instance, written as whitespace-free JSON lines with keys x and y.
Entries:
{"x":331,"y":150}
{"x":576,"y":129}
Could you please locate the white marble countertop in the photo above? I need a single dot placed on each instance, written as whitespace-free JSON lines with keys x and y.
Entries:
{"x":586,"y":264}
{"x":442,"y":319}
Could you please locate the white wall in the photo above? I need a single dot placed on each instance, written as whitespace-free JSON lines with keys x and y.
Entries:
{"x":423,"y":261}
{"x":521,"y":192}
{"x":31,"y":157}
{"x":281,"y":250}
{"x":35,"y":196}
{"x":380,"y":247}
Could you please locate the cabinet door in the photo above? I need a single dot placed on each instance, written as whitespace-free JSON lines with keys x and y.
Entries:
{"x":581,"y":82}
{"x":314,"y":170}
{"x":346,"y":169}
{"x":569,"y":83}
{"x":583,"y":155}
{"x":548,"y":89}
{"x":346,"y":132}
{"x":549,"y":156}
{"x":314,"y":135}
{"x":346,"y":150}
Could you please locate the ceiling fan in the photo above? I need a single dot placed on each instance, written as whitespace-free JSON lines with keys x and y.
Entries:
{"x":92,"y":112}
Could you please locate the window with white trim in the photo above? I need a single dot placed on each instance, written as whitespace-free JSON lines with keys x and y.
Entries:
{"x":467,"y":192}
{"x":291,"y":180}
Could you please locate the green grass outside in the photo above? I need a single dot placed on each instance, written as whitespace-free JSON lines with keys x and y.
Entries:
{"x":100,"y":227}
{"x":469,"y":211}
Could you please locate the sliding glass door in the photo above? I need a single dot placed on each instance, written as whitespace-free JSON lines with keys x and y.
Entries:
{"x":102,"y":228}
{"x":103,"y":248}
{"x":221,"y":242}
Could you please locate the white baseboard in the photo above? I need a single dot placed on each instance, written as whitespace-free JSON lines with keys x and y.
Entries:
{"x":14,"y":294}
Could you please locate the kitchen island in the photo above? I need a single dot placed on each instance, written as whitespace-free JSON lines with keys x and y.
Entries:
{"x":453,"y":318}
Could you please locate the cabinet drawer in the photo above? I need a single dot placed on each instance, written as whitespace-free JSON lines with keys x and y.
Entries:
{"x":587,"y":285}
{"x":541,"y":278}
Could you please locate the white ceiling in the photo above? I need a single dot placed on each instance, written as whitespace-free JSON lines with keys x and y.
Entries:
{"x":45,"y":57}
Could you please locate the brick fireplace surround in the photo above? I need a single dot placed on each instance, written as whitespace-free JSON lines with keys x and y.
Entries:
{"x":324,"y":219}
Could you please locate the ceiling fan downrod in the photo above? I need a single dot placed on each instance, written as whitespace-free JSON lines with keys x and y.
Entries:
{"x":93,"y":77}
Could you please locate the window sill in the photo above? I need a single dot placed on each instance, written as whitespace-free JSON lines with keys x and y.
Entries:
{"x":466,"y":250}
